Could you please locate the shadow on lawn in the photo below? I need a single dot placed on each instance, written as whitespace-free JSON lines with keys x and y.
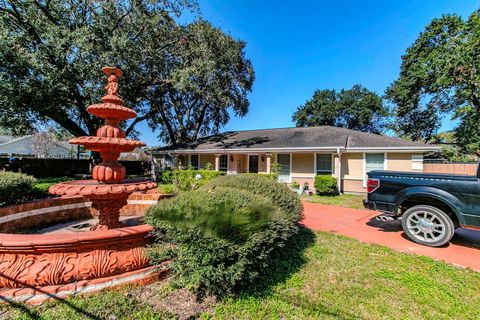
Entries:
{"x":284,"y":262}
{"x":30,"y":312}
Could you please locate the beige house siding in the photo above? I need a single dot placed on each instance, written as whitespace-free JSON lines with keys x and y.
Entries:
{"x":353,"y":186}
{"x":303,"y":166}
{"x":400,"y":161}
{"x":352,"y":166}
{"x":207,"y":158}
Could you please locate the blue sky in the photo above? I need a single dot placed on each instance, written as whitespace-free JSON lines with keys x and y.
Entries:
{"x":297,"y":47}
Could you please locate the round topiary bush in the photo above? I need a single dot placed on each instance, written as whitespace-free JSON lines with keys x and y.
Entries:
{"x":14,"y":186}
{"x":326,"y":185}
{"x":222,"y":235}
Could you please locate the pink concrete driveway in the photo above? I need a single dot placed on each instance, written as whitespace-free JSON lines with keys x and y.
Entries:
{"x":463,"y":250}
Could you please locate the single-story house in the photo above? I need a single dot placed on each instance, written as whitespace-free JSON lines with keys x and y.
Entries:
{"x":301,"y":153}
{"x":23,"y":146}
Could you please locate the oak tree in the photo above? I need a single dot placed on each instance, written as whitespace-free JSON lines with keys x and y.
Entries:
{"x":439,"y":77}
{"x":181,"y":78}
{"x":357,"y":108}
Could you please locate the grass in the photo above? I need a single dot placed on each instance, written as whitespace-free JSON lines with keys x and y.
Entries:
{"x":166,"y":188}
{"x":345,"y":200}
{"x":340,"y":278}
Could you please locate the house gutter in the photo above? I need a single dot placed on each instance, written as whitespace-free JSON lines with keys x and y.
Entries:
{"x":339,"y":170}
{"x":247,"y":150}
{"x":299,"y":149}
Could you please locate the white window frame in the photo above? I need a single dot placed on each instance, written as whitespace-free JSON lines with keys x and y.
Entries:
{"x":332,"y":163}
{"x":291,"y":165}
{"x":385,"y":165}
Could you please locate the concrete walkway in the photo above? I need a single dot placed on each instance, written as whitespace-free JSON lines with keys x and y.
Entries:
{"x":463,"y":250}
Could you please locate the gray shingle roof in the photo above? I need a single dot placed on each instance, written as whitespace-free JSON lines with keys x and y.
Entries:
{"x":5,"y":138}
{"x":296,"y":138}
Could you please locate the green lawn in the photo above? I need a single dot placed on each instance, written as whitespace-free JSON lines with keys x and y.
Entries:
{"x":344,"y":200}
{"x":335,"y":278}
{"x":165,"y":188}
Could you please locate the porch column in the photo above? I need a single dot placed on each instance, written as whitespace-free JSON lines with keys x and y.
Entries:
{"x":269,"y":163}
{"x":217,"y":162}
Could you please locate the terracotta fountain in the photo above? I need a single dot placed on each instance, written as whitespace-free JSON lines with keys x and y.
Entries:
{"x":35,"y":267}
{"x":108,"y":191}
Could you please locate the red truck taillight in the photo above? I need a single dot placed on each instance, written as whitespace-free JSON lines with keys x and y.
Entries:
{"x":372,"y":185}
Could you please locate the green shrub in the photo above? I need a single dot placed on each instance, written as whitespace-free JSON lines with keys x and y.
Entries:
{"x":294,"y":185}
{"x":223,"y":235}
{"x":271,"y":176}
{"x":184,"y":180}
{"x":326,"y":185}
{"x":165,"y":177}
{"x":166,"y":188}
{"x":209,"y":166}
{"x":264,"y":186}
{"x":14,"y":187}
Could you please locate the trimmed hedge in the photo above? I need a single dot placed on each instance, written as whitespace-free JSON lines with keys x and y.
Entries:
{"x":224,"y":233}
{"x":15,"y":187}
{"x":265,"y":186}
{"x":326,"y":185}
{"x":184,"y":180}
{"x":266,"y":175}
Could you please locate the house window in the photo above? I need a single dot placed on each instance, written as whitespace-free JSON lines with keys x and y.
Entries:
{"x":284,"y":167}
{"x":167,"y":162}
{"x":324,"y":164}
{"x":374,"y":161}
{"x":224,"y":163}
{"x":194,"y":161}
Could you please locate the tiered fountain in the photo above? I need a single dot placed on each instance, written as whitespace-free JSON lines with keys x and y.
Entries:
{"x":108,"y":191}
{"x":34,"y":267}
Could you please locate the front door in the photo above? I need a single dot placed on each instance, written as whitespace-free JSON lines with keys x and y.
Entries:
{"x":253,"y":164}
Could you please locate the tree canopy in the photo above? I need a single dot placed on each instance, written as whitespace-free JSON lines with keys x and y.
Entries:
{"x":357,"y":108}
{"x":180,"y":78}
{"x":439,"y":76}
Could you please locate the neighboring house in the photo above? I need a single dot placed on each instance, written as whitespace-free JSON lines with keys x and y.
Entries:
{"x":301,"y":153}
{"x":23,"y":146}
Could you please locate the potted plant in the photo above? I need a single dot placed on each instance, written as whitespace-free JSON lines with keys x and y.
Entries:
{"x":296,"y":187}
{"x":306,"y":189}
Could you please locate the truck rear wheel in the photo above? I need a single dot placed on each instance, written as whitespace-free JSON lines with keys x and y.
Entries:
{"x":428,"y":225}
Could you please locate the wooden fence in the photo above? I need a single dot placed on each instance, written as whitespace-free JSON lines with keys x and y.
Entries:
{"x":467,"y":168}
{"x":41,"y":168}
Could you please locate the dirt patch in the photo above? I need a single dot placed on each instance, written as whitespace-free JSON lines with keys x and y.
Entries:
{"x":180,"y":302}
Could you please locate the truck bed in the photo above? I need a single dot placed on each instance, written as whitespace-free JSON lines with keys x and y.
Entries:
{"x":422,"y":176}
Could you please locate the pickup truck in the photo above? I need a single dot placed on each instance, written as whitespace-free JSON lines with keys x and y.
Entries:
{"x":430,"y":205}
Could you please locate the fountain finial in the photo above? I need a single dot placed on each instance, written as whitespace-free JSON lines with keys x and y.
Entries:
{"x":112,"y":96}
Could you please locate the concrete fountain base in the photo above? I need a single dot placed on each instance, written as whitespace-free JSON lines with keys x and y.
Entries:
{"x":37,"y":267}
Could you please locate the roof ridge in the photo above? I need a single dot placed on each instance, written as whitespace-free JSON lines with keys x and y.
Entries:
{"x":280,"y":128}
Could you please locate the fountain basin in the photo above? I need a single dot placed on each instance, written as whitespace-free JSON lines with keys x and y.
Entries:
{"x":55,"y":264}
